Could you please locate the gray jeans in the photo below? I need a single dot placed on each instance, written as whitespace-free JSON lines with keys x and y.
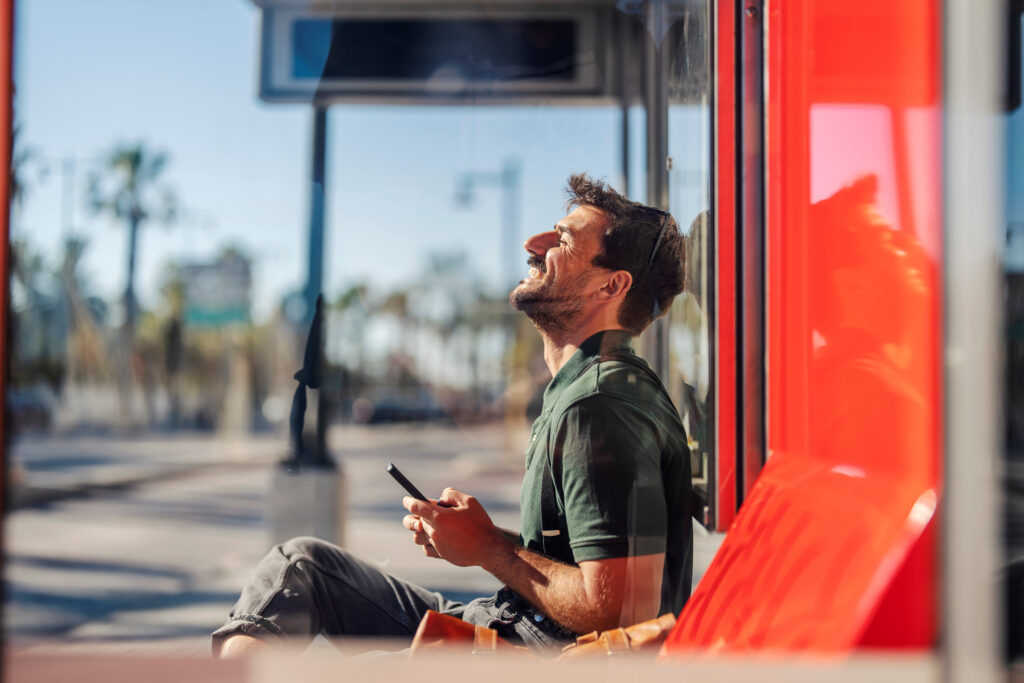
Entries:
{"x":306,"y":587}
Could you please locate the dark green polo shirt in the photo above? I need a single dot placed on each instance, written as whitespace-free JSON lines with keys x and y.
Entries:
{"x":619,"y":468}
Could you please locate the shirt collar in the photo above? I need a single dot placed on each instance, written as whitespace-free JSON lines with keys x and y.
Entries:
{"x":596,"y":345}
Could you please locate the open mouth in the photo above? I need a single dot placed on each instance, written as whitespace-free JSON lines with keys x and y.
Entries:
{"x":537,"y":267}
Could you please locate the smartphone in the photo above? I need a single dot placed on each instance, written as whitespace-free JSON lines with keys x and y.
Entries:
{"x":406,"y":484}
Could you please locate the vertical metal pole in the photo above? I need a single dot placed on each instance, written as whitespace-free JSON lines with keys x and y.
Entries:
{"x":656,"y":104}
{"x":750,"y":275}
{"x":973,"y":168}
{"x":625,"y":52}
{"x":315,"y":281}
{"x":315,"y":272}
{"x":656,"y":96}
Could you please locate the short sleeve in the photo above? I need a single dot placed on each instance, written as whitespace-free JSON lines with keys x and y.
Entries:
{"x":611,"y":484}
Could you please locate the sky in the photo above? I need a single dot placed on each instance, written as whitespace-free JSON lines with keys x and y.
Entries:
{"x":181,"y":76}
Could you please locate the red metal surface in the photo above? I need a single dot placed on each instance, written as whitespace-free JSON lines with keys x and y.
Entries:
{"x":725,"y":263}
{"x":6,"y":109}
{"x":835,"y":547}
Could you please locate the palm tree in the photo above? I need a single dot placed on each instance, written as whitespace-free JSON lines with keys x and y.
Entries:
{"x":129,"y":190}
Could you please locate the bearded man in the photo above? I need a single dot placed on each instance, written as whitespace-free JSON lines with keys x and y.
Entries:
{"x":606,"y":538}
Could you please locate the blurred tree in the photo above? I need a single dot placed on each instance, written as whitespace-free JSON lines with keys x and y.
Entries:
{"x":129,"y":190}
{"x":33,"y":316}
{"x":27,"y":269}
{"x":86,"y":346}
{"x":346,"y":339}
{"x":397,"y":305}
{"x":174,"y":342}
{"x":21,"y":158}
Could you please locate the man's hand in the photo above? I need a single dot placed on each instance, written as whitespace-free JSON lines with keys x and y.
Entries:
{"x":455,"y":528}
{"x":419,"y":536}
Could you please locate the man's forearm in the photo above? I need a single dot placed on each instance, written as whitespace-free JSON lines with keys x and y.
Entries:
{"x":595,"y":595}
{"x":562,"y":592}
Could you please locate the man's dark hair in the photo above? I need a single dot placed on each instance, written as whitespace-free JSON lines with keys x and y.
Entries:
{"x":630,"y":243}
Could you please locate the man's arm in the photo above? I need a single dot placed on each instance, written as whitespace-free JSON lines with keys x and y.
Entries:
{"x":510,"y":535}
{"x":599,"y":594}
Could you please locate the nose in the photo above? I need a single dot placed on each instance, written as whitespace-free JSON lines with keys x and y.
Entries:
{"x":539,"y":244}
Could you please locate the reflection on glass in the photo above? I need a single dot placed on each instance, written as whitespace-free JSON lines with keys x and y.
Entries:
{"x":690,"y":202}
{"x":689,"y":339}
{"x":867,"y":313}
{"x":158,"y":252}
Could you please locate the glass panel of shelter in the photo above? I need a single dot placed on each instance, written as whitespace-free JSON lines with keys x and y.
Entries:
{"x":426,"y":208}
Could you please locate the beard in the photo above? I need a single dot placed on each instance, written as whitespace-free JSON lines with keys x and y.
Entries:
{"x":554,"y":306}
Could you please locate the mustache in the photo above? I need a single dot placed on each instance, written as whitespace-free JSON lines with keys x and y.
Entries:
{"x":538,"y":263}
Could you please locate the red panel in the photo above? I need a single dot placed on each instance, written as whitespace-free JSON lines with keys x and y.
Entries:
{"x":725,"y":262}
{"x":835,"y":547}
{"x":6,"y":93}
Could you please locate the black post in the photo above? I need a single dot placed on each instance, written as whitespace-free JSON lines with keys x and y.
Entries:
{"x":310,"y":376}
{"x":314,"y":454}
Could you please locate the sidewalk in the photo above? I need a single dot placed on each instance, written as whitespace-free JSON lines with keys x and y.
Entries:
{"x":154,"y":566}
{"x":50,"y":468}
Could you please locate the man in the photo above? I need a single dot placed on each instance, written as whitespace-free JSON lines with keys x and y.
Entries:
{"x":607,"y":537}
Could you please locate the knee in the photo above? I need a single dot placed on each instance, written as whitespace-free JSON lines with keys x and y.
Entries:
{"x":315,"y":550}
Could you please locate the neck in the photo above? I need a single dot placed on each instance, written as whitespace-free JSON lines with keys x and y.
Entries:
{"x":559,"y":346}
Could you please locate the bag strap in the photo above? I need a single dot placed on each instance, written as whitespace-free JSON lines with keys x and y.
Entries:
{"x":646,"y":635}
{"x":616,"y":642}
{"x":548,"y":505}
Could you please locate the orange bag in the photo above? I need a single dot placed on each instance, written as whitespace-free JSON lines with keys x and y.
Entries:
{"x":439,"y":631}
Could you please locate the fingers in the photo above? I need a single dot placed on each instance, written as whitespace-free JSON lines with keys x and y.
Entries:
{"x":415,"y":525}
{"x":419,"y":508}
{"x":453,"y":498}
{"x":430,"y":551}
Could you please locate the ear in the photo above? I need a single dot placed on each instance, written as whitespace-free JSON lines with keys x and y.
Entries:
{"x":616,"y":286}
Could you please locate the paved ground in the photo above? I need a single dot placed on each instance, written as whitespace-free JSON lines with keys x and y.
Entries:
{"x":48,"y":468}
{"x":155,"y":565}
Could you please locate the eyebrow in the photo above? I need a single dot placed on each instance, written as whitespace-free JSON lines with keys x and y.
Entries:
{"x":563,"y":229}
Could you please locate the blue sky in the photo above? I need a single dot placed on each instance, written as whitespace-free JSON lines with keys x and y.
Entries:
{"x":181,"y":76}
